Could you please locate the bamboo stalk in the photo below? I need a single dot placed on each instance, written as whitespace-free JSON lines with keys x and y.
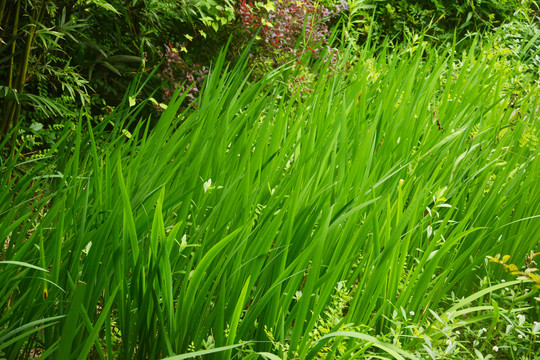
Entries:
{"x":13,"y":108}
{"x":2,"y":8}
{"x":10,"y":104}
{"x":13,"y":46}
{"x":21,"y":76}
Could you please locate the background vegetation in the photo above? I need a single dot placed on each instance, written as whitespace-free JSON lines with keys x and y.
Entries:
{"x":344,"y":180}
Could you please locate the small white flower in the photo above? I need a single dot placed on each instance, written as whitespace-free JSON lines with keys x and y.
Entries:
{"x":412,"y":313}
{"x":503,"y":280}
{"x":184,"y":242}
{"x":207,"y":185}
{"x":495,"y":348}
{"x":520,"y":336}
{"x":457,"y":332}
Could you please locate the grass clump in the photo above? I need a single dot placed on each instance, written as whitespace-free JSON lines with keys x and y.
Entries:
{"x":225,"y":229}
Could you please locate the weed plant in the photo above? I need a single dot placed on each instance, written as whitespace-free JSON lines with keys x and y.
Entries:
{"x":278,"y":224}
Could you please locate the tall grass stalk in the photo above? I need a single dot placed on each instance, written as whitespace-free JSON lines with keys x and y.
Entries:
{"x":236,"y":221}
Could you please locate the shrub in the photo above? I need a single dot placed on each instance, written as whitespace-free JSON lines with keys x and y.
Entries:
{"x":177,"y":74}
{"x":400,"y":20}
{"x":285,"y":29}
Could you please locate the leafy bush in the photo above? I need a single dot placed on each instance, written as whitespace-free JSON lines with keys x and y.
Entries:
{"x":283,"y":30}
{"x":286,"y":29}
{"x":402,"y":20}
{"x":520,"y":41}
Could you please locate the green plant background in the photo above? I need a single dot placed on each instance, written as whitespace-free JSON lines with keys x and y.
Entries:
{"x":335,"y":205}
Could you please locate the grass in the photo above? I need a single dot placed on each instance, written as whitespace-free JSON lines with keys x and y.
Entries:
{"x":229,"y":230}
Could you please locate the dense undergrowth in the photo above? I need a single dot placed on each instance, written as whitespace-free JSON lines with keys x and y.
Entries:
{"x":59,"y":58}
{"x":350,"y":221}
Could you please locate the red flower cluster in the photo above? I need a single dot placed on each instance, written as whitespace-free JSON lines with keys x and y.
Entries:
{"x":247,"y":14}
